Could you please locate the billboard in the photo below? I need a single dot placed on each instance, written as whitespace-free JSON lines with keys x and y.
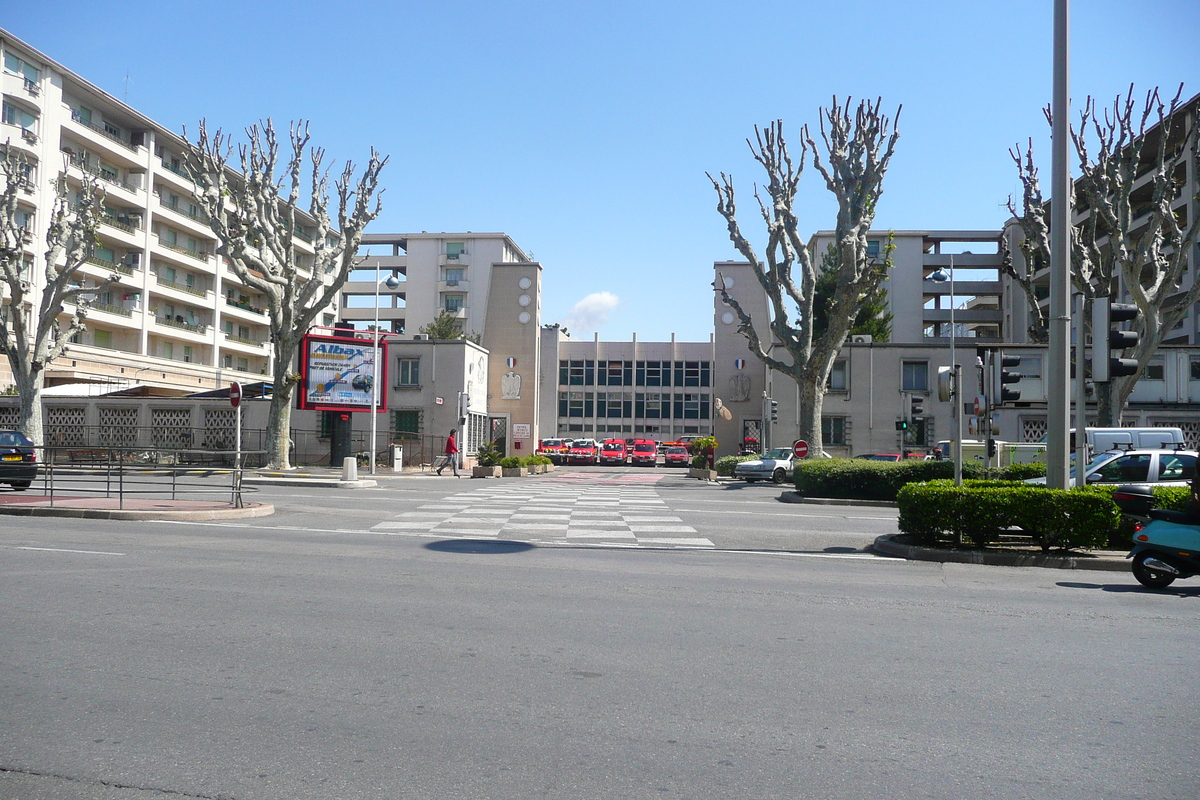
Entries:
{"x":336,"y":373}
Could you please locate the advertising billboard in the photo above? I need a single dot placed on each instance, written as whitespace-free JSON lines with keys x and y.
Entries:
{"x":336,"y":373}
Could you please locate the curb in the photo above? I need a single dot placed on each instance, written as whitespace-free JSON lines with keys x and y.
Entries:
{"x":885,"y":545}
{"x":194,"y":515}
{"x":315,"y":483}
{"x":796,"y":497}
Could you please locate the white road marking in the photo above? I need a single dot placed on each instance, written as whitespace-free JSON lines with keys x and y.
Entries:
{"x":64,"y":550}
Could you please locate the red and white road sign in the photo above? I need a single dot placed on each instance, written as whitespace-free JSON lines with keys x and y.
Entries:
{"x":800,"y":449}
{"x":235,"y":394}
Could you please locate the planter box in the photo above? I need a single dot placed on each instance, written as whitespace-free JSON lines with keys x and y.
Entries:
{"x":516,"y":472}
{"x":485,"y":472}
{"x":703,"y":474}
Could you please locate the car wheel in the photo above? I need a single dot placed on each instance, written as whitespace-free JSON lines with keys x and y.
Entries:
{"x":1149,"y":577}
{"x":779,"y":476}
{"x":20,"y":486}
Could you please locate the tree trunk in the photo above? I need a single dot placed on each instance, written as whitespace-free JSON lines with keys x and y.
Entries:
{"x":812,"y":396}
{"x":279,"y":424}
{"x":29,"y":389}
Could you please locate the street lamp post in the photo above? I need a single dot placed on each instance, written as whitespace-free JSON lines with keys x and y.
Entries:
{"x":941,"y":276}
{"x":392,"y":282}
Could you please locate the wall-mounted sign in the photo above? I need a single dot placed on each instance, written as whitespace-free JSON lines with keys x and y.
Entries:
{"x":521,"y":430}
{"x":336,"y":373}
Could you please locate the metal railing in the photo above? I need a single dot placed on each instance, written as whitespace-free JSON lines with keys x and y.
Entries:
{"x":78,"y":118}
{"x":199,"y":255}
{"x":128,"y":473}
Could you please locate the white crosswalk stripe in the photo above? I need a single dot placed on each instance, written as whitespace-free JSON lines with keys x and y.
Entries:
{"x":566,"y":508}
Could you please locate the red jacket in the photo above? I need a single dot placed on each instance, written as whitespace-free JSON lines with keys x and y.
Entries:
{"x":451,"y":446}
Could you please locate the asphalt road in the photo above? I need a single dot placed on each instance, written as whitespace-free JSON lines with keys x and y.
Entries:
{"x":305,"y":657}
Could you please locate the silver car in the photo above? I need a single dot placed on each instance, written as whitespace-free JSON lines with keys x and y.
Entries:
{"x":775,"y":466}
{"x":1158,"y":466}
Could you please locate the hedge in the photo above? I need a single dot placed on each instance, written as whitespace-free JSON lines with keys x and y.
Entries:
{"x":980,"y":511}
{"x":725,"y":464}
{"x":860,"y":479}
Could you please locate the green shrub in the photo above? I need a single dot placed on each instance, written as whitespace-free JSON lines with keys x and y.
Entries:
{"x":725,"y":464}
{"x":488,"y":455}
{"x":859,"y":479}
{"x":535,"y":460}
{"x":979,"y":511}
{"x":510,"y":462}
{"x":1021,"y":472}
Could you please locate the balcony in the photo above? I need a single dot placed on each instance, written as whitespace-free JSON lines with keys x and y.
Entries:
{"x":199,"y":255}
{"x":114,"y":221}
{"x":109,"y":265}
{"x":229,"y":337}
{"x":176,"y":170}
{"x":200,"y":217}
{"x":244,"y":306}
{"x":32,"y":88}
{"x":100,"y":129}
{"x":453,"y":259}
{"x":110,"y":309}
{"x":108,"y":177}
{"x":180,"y":287}
{"x":179,"y":323}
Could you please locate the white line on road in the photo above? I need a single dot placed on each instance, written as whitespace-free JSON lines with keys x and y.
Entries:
{"x":64,"y":550}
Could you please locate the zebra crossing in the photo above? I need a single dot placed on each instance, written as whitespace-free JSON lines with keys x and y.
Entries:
{"x":571,"y":508}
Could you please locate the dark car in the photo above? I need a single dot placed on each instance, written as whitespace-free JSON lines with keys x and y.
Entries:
{"x":18,"y":461}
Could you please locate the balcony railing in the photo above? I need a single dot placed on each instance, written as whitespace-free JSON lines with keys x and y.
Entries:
{"x":111,"y":309}
{"x":174,"y":323}
{"x":106,"y":264}
{"x":32,"y":87}
{"x":244,"y":306}
{"x":107,"y":177}
{"x":243,"y":340}
{"x":102,"y":131}
{"x":198,"y":217}
{"x":180,"y":287}
{"x":177,"y":170}
{"x":111,"y":219}
{"x":199,"y":255}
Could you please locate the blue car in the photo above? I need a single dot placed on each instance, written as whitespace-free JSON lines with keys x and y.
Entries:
{"x":18,"y":460}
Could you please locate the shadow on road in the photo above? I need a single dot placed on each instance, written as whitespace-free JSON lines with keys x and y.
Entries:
{"x":1134,"y":588}
{"x":488,"y":547}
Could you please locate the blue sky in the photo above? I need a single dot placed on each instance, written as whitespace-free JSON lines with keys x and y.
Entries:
{"x":584,"y":130}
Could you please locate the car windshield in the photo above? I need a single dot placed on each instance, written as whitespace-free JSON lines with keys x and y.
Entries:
{"x":677,"y":450}
{"x":14,"y":439}
{"x":779,"y":453}
{"x":1097,"y":460}
{"x":613,"y":446}
{"x":552,"y":443}
{"x":643,"y":448}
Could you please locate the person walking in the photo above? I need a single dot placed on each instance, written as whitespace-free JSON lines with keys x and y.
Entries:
{"x":451,"y":454}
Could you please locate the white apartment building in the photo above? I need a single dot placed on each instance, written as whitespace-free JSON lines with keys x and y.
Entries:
{"x":180,"y":321}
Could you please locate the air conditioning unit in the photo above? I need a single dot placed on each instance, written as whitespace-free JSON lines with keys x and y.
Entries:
{"x":420,"y":337}
{"x":861,"y":338}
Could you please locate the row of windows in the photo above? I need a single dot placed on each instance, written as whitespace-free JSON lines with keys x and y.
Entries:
{"x":642,"y":405}
{"x":630,"y":373}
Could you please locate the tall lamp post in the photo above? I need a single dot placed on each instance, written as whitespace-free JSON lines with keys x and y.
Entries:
{"x":392,"y":282}
{"x":941,"y":276}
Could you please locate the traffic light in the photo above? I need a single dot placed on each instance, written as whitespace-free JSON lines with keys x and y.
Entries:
{"x":1003,"y":377}
{"x":991,"y":448}
{"x":901,"y":424}
{"x":917,"y":408}
{"x":1106,"y":314}
{"x":774,"y":411}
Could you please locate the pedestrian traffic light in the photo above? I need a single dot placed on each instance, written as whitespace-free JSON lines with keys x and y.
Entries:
{"x":901,"y":424}
{"x":774,"y":411}
{"x":1106,"y":314}
{"x":1003,"y":377}
{"x":991,"y":448}
{"x":917,"y":408}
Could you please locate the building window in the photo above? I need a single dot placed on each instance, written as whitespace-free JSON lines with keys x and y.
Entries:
{"x":613,"y":404}
{"x":576,"y":373}
{"x":454,"y":275}
{"x":409,"y":372}
{"x":914,"y":376}
{"x":833,"y":431}
{"x":15,"y":115}
{"x":454,"y":302}
{"x":187,"y":353}
{"x":19,"y":66}
{"x":692,"y":373}
{"x":1154,"y":370}
{"x":653,"y":373}
{"x":837,"y":376}
{"x":615,"y":373}
{"x":408,"y":422}
{"x":1194,"y":367}
{"x":873,"y":249}
{"x":691,"y":406}
{"x":455,"y":249}
{"x":243,"y":365}
{"x":651,"y":406}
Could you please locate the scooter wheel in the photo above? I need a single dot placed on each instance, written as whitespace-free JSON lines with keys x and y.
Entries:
{"x":1150,"y":578}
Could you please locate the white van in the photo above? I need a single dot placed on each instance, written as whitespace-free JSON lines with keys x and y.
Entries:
{"x":1102,"y":439}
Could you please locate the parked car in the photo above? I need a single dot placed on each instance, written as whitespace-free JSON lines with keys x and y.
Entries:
{"x":583,"y":451}
{"x":18,"y":460}
{"x":882,"y":457}
{"x":775,"y":465}
{"x":1160,"y":466}
{"x":553,"y":449}
{"x":613,"y":452}
{"x":677,"y":456}
{"x":644,"y":453}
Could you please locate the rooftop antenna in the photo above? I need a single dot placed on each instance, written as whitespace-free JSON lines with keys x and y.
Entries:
{"x":125,"y":99}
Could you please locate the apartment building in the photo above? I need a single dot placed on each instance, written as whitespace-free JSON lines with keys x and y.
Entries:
{"x":180,"y":321}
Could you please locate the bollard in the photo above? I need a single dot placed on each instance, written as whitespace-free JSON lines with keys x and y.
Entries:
{"x":349,"y":468}
{"x":397,"y":458}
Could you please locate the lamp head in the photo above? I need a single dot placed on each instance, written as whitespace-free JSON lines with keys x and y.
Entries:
{"x":939,"y":275}
{"x":391,"y":282}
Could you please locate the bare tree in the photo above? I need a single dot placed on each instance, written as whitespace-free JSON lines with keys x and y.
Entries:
{"x":253,"y":216}
{"x":32,"y":336}
{"x":859,"y":149}
{"x":1134,"y":235}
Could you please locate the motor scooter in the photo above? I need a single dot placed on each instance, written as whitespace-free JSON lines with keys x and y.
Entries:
{"x":1166,"y":544}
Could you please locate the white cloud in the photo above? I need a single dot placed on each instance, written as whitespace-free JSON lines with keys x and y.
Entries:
{"x":591,"y":312}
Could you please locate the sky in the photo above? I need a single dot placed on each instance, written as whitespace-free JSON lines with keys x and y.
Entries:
{"x":584,"y":130}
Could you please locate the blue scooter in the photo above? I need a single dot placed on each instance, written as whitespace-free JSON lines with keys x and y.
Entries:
{"x":1166,"y":544}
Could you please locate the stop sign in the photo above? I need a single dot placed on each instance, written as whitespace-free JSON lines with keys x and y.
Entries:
{"x":800,"y":449}
{"x":235,"y":394}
